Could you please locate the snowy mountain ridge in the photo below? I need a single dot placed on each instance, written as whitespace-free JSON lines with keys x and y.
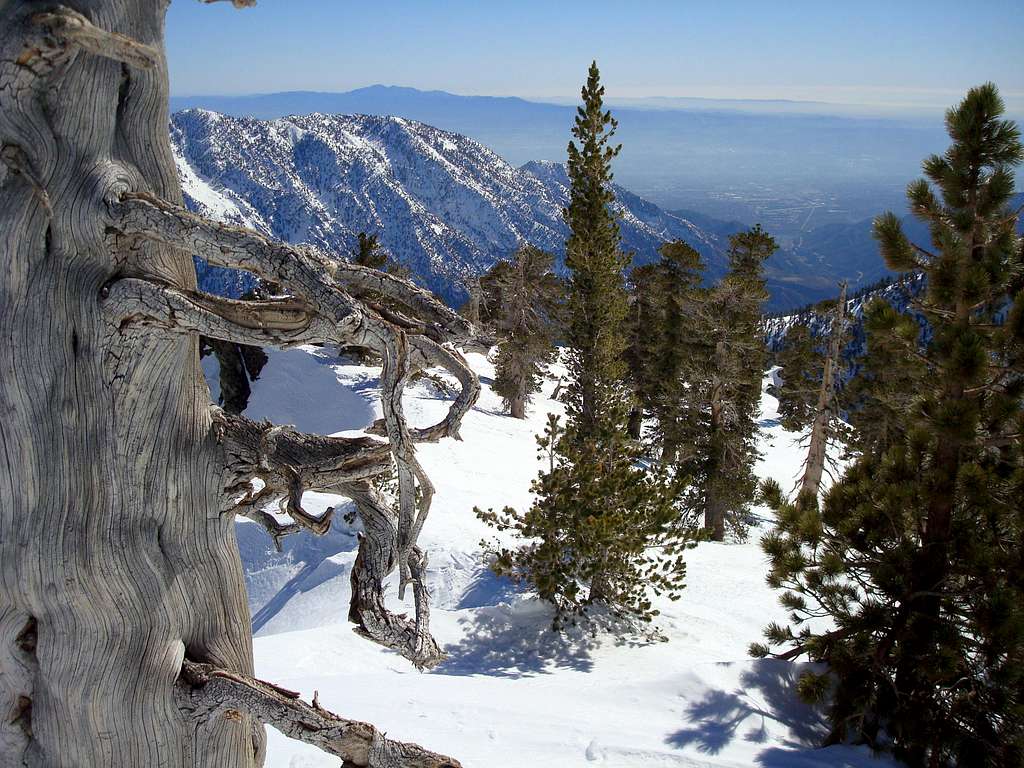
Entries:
{"x":443,"y":204}
{"x":818,"y":318}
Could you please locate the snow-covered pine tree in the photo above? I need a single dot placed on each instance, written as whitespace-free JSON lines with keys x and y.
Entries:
{"x":527,"y":321}
{"x":603,"y":530}
{"x":917,"y":554}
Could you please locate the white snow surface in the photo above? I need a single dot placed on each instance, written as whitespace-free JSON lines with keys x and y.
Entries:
{"x":512,"y":693}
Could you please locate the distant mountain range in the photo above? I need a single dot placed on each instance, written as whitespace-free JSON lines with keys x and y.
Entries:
{"x":443,"y":205}
{"x":448,"y":207}
{"x":847,"y":167}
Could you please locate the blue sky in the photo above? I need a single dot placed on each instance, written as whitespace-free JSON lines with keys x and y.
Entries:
{"x":899,"y":52}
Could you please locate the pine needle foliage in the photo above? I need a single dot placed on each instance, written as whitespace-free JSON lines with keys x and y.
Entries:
{"x":666,"y":344}
{"x":644,"y":336}
{"x":370,"y":253}
{"x":917,"y":554}
{"x":801,"y":359}
{"x":528,"y":321}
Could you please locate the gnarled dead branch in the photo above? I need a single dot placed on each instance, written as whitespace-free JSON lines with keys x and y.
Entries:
{"x":73,"y":27}
{"x":287,"y":462}
{"x":377,"y":557}
{"x":403,"y":345}
{"x":205,"y":693}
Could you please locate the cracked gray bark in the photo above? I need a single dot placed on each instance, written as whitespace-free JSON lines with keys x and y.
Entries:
{"x":118,"y":562}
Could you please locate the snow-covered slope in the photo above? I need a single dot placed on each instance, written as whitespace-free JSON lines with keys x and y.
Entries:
{"x":511,"y":693}
{"x":443,"y":204}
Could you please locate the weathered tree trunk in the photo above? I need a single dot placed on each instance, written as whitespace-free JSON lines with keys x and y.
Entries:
{"x":670,"y":448}
{"x":714,"y":515}
{"x":635,"y":422}
{"x":117,"y":562}
{"x":517,"y":406}
{"x":112,"y":545}
{"x":471,"y":310}
{"x":825,"y":409}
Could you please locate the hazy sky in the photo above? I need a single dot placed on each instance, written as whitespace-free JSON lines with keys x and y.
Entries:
{"x":906,"y":52}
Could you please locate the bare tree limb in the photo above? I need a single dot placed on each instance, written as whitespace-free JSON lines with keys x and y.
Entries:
{"x":236,"y":3}
{"x":75,"y":28}
{"x":288,"y":463}
{"x":204,"y":692}
{"x":285,"y":459}
{"x":275,"y":322}
{"x":363,"y":282}
{"x":377,"y":557}
{"x":330,"y":314}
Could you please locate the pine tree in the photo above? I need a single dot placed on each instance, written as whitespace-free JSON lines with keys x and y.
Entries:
{"x":527,"y":324}
{"x":888,"y":379}
{"x":678,"y":363}
{"x":730,"y":390}
{"x":603,"y":529}
{"x":664,"y":350}
{"x":598,"y":400}
{"x":917,"y":555}
{"x":369,"y":252}
{"x":491,"y":300}
{"x":801,"y":361}
{"x":645,"y":330}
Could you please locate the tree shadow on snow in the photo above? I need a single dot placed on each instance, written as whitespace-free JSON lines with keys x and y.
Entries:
{"x":487,"y":589}
{"x":516,"y":640}
{"x":766,"y":694}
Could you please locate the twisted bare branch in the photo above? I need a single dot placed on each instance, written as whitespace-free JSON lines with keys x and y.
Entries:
{"x":280,"y":322}
{"x":335,"y":303}
{"x":74,"y":28}
{"x":377,"y":557}
{"x":204,"y":693}
{"x":288,"y":463}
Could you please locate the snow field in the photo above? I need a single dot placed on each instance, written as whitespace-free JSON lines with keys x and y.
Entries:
{"x":511,"y":693}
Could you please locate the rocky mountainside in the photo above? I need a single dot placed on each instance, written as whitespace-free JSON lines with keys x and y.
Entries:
{"x":443,"y":205}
